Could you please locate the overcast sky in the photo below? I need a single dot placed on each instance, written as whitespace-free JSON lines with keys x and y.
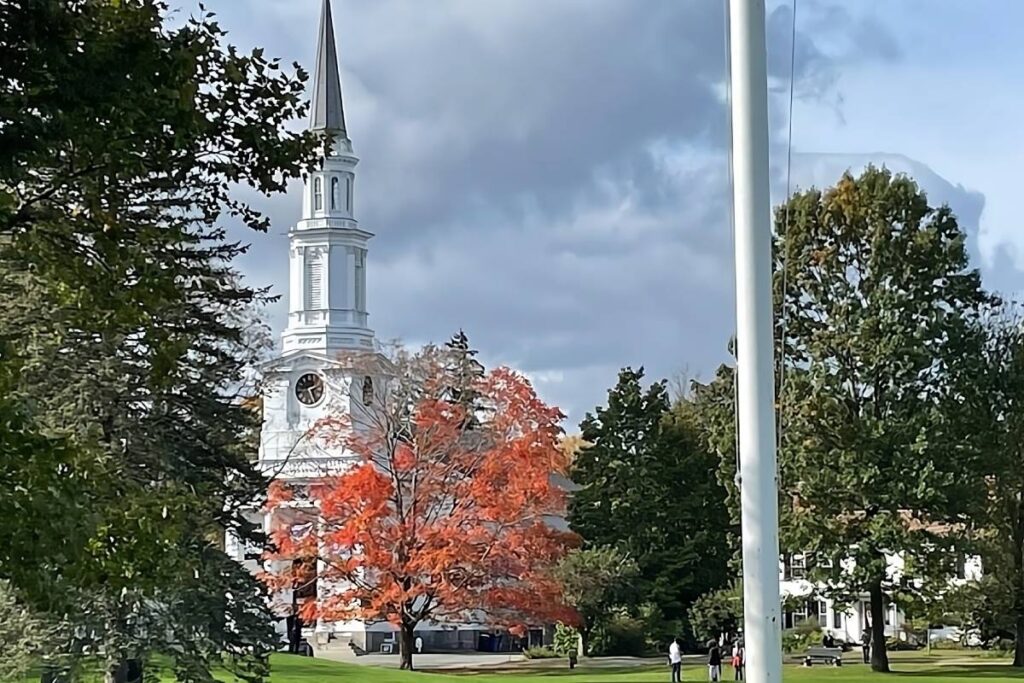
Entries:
{"x":551,"y":175}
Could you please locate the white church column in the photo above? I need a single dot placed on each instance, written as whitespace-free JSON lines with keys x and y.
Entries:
{"x":350,"y":260}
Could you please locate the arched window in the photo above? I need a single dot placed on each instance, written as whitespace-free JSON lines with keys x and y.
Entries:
{"x":334,"y":193}
{"x":367,"y":391}
{"x":318,"y":194}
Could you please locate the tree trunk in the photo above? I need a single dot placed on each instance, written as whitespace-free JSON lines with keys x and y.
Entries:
{"x":585,"y":641}
{"x":1018,"y":585}
{"x":406,"y":645}
{"x":1018,"y":646}
{"x":879,"y":655}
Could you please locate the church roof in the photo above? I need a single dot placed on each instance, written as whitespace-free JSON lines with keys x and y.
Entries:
{"x":327,"y":112}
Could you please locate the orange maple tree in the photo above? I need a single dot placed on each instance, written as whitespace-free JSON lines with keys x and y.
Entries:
{"x":450,"y":511}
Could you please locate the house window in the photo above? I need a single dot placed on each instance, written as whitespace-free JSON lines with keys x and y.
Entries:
{"x":318,"y":194}
{"x":334,"y":194}
{"x":961,"y":566}
{"x":314,"y":282}
{"x":348,"y":194}
{"x":837,"y":618}
{"x":798,"y":566}
{"x":799,"y":614}
{"x":822,"y":613}
{"x":367,"y":391}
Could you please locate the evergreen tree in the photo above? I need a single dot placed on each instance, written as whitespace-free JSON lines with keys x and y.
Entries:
{"x":126,"y":337}
{"x":648,"y":488}
{"x":465,"y":373}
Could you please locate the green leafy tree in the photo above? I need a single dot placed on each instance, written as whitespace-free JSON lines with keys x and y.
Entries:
{"x":24,"y":635}
{"x":594,"y":582}
{"x":718,"y":612}
{"x":999,"y":401}
{"x":879,"y":322}
{"x":648,"y":488}
{"x":127,"y":339}
{"x":983,"y":607}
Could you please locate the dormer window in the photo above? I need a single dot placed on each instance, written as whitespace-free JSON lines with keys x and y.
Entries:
{"x":335,"y":186}
{"x":318,"y":194}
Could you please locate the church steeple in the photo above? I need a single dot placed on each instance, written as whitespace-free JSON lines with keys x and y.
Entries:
{"x":327,"y":309}
{"x":328,"y":113}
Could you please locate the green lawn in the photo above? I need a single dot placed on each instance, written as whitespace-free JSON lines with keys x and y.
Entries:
{"x":943,"y":669}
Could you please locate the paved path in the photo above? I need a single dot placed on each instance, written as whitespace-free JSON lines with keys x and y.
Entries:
{"x":486,"y":661}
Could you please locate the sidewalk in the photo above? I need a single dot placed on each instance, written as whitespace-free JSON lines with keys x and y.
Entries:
{"x":487,"y":661}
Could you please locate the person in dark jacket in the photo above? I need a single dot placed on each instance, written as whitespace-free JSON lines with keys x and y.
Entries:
{"x":714,"y":661}
{"x":865,"y":641}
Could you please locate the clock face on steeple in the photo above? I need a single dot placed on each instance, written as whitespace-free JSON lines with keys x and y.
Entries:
{"x":309,"y":389}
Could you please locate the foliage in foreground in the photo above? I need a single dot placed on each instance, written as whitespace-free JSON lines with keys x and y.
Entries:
{"x":126,"y":337}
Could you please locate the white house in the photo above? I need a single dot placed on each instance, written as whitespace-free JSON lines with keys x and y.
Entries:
{"x":805,"y":600}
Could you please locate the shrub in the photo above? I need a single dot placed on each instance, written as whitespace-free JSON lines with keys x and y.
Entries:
{"x":660,"y":630}
{"x":622,"y":636}
{"x":793,"y":641}
{"x":804,"y":635}
{"x":1003,"y":645}
{"x":567,"y":640}
{"x":893,"y":645}
{"x":717,"y":612}
{"x":544,"y":652}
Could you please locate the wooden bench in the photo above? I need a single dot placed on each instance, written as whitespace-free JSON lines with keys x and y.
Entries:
{"x":823,"y":655}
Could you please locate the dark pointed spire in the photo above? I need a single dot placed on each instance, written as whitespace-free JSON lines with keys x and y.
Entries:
{"x":327,"y":113}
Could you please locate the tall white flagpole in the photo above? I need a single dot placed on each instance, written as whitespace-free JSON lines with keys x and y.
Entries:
{"x":754,"y":344}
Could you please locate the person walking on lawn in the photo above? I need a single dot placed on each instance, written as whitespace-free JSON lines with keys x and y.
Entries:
{"x":675,"y":660}
{"x":738,"y":660}
{"x":714,"y":661}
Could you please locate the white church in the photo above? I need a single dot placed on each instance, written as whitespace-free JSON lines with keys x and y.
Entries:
{"x":323,"y":361}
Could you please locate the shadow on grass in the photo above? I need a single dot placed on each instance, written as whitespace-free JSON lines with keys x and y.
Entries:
{"x":552,"y":673}
{"x":965,"y":671}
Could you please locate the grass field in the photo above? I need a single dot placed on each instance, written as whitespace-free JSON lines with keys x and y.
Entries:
{"x":944,"y":669}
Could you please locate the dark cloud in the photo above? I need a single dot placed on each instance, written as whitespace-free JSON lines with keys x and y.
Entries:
{"x":550,"y":175}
